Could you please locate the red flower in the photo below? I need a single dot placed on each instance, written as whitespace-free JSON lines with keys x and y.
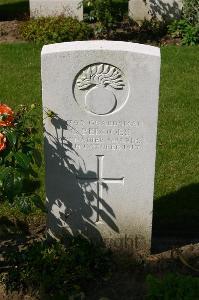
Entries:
{"x":2,"y":141}
{"x":6,"y":115}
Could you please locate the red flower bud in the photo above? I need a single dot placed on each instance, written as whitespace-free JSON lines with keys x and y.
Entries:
{"x":6,"y":115}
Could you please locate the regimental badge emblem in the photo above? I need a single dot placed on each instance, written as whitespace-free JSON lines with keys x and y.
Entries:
{"x":101,"y":89}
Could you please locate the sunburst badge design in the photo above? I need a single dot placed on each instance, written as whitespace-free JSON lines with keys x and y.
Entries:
{"x":99,"y":88}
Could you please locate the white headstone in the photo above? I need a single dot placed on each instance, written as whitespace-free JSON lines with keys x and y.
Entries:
{"x":44,"y":8}
{"x":100,"y":144}
{"x":140,"y":10}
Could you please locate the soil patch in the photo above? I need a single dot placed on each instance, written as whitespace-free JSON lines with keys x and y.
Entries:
{"x":9,"y":31}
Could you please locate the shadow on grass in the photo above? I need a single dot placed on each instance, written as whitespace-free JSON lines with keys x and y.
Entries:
{"x":176,"y":219}
{"x":178,"y":213}
{"x":14,"y":11}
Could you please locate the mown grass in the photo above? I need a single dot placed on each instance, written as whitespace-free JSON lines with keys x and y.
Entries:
{"x":20,"y":74}
{"x":20,"y":84}
{"x":178,"y":151}
{"x":177,"y":178}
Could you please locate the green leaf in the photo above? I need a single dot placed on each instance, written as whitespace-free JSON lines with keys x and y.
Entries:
{"x":22,"y":160}
{"x":8,"y":185}
{"x":4,"y":173}
{"x":5,"y":155}
{"x":24,"y":204}
{"x":38,"y":202}
{"x":37,"y":157}
{"x":33,"y":173}
{"x":11,"y":182}
{"x":12,"y":137}
{"x":18,"y":183}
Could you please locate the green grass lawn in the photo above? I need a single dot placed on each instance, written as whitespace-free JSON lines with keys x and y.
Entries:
{"x":176,"y":207}
{"x":177,"y":176}
{"x":20,"y":66}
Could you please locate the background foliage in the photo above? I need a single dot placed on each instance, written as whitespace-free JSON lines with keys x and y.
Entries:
{"x":51,"y":270}
{"x":191,"y":11}
{"x":55,"y":30}
{"x":20,"y":160}
{"x":187,"y":28}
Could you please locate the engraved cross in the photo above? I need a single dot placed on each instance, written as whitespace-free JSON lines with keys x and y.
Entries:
{"x":100,"y":180}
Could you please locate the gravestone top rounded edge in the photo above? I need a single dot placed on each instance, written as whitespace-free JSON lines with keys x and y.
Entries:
{"x":101,"y":45}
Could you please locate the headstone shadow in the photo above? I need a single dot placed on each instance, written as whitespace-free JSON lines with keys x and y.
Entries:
{"x":176,"y":218}
{"x":166,"y":10}
{"x":73,"y":205}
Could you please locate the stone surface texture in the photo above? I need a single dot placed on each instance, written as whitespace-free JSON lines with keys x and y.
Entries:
{"x":100,"y":143}
{"x":140,"y":10}
{"x":44,"y":8}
